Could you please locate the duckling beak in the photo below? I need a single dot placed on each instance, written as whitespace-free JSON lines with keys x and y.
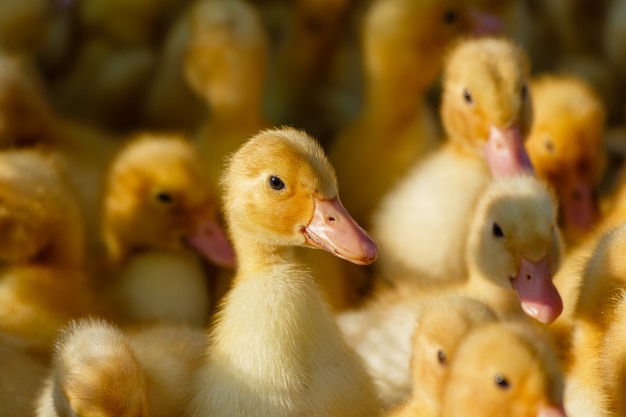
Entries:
{"x":505,"y":152}
{"x":539,"y":297}
{"x":552,"y":411}
{"x":483,"y":24}
{"x":579,"y":206}
{"x":209,"y":239}
{"x":334,"y":230}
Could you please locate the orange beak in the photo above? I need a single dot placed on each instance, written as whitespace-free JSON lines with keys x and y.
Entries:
{"x":505,"y":152}
{"x":208,"y":239}
{"x":539,"y":297}
{"x":334,"y":230}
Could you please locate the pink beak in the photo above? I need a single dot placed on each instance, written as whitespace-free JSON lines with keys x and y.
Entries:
{"x":483,"y":24}
{"x":209,"y":239}
{"x":334,"y":230}
{"x":552,"y":411}
{"x":580,"y":208}
{"x":539,"y":297}
{"x":505,"y":153}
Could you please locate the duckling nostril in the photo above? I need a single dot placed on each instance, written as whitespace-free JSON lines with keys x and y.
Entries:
{"x":331,"y":219}
{"x":528,"y":277}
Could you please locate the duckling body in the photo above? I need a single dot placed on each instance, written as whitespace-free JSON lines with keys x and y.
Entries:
{"x":486,"y":114}
{"x":274,"y":326}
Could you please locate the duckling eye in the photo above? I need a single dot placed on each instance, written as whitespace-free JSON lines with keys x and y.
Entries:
{"x":467,"y":96}
{"x":450,"y":16}
{"x":164,"y":197}
{"x":275,"y":183}
{"x":441,"y":357}
{"x":501,"y":381}
{"x":497,"y":230}
{"x":549,"y":145}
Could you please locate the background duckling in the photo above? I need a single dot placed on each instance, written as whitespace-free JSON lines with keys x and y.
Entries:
{"x":42,"y":279}
{"x":395,"y":126}
{"x":95,"y":373}
{"x":442,"y":324}
{"x":280,"y":191}
{"x":226,"y":64}
{"x":566,"y":147}
{"x":158,"y":204}
{"x":504,"y":368}
{"x":100,"y":370}
{"x":486,"y":112}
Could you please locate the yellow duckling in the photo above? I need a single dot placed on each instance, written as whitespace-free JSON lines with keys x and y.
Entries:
{"x":566,"y":147}
{"x":99,"y":370}
{"x":226,"y":64}
{"x":442,"y":324}
{"x":396,"y":125}
{"x":157,"y":205}
{"x":274,"y":327}
{"x":504,"y":369}
{"x":42,"y":281}
{"x":486,"y":112}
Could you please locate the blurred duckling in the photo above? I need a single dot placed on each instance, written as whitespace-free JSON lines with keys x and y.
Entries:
{"x":158,"y":205}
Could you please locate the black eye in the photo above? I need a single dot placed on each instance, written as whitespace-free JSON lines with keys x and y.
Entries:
{"x":524,"y":92}
{"x":467,"y":96}
{"x":497,"y":231}
{"x":501,"y":381}
{"x":450,"y":16}
{"x":441,"y":357}
{"x":164,"y":197}
{"x":549,"y":145}
{"x":276,"y":183}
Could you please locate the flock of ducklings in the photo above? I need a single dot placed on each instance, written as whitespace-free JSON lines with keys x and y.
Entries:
{"x":164,"y":176}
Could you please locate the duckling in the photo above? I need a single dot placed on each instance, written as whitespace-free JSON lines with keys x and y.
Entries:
{"x":613,"y":358}
{"x":486,"y":111}
{"x":279,"y":191}
{"x":566,"y":147}
{"x":442,"y":324}
{"x":396,"y":125}
{"x":100,"y":370}
{"x":157,"y":205}
{"x":504,"y":369}
{"x":42,"y":278}
{"x":226,"y":64}
{"x":95,"y":373}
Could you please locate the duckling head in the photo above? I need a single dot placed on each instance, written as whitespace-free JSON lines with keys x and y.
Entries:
{"x":39,"y":217}
{"x":486,"y":106}
{"x":96,"y":373}
{"x":280,"y":190}
{"x":226,"y":58}
{"x":504,"y":369}
{"x":566,"y":146}
{"x":157,"y":198}
{"x":442,"y":323}
{"x":515,"y":243}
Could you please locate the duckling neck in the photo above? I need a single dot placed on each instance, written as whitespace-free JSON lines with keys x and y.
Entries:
{"x":503,"y":300}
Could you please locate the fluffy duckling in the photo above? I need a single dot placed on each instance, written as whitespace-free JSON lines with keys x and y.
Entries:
{"x":42,"y":281}
{"x":566,"y":147}
{"x":396,"y":125}
{"x":442,"y":324}
{"x":280,"y":191}
{"x":486,"y":112}
{"x":95,"y":373}
{"x":157,"y":205}
{"x":504,"y":369}
{"x":98,"y":370}
{"x":226,"y":64}
{"x":613,"y":358}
